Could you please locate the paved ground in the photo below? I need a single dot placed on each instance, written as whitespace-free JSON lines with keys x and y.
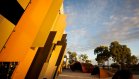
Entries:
{"x":68,"y":74}
{"x":136,"y":76}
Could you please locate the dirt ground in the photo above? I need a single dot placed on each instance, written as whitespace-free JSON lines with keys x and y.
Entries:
{"x":68,"y":74}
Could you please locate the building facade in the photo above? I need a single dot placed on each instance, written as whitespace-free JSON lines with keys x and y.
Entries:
{"x":32,"y":38}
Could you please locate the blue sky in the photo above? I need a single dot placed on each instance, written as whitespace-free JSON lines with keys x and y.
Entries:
{"x":91,"y":23}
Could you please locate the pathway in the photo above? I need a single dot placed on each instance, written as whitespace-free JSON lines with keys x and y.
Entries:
{"x":68,"y":74}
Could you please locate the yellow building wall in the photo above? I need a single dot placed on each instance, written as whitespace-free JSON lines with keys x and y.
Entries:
{"x":24,"y":3}
{"x":61,"y":64}
{"x":6,"y":28}
{"x":25,"y":31}
{"x":51,"y":65}
{"x":47,"y":24}
{"x":32,"y":30}
{"x":59,"y":26}
{"x":21,"y":70}
{"x":44,"y":68}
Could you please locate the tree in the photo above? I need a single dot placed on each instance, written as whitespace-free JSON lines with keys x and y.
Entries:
{"x":120,"y":53}
{"x":65,"y":56}
{"x":134,"y":59}
{"x":72,"y":57}
{"x":83,"y":57}
{"x":88,"y":61}
{"x":99,"y":59}
{"x":103,"y":54}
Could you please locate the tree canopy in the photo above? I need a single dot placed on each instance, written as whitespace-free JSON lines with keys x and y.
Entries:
{"x":121,"y":54}
{"x":83,"y":57}
{"x":133,"y":59}
{"x":72,"y":57}
{"x":102,"y":54}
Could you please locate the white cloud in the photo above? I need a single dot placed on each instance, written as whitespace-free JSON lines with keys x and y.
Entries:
{"x":137,"y":12}
{"x":122,"y":28}
{"x":123,"y":24}
{"x":75,"y":38}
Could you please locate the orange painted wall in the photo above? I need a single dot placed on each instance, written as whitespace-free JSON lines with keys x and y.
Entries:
{"x":25,"y":31}
{"x":47,"y":24}
{"x":38,"y":15}
{"x":59,"y":26}
{"x":6,"y":28}
{"x":51,"y":65}
{"x":24,"y":3}
{"x":61,"y":64}
{"x":21,"y":70}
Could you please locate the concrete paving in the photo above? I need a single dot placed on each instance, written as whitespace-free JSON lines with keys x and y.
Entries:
{"x":68,"y":74}
{"x":135,"y":76}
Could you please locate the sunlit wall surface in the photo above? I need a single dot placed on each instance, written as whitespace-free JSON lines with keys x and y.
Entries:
{"x":31,"y":37}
